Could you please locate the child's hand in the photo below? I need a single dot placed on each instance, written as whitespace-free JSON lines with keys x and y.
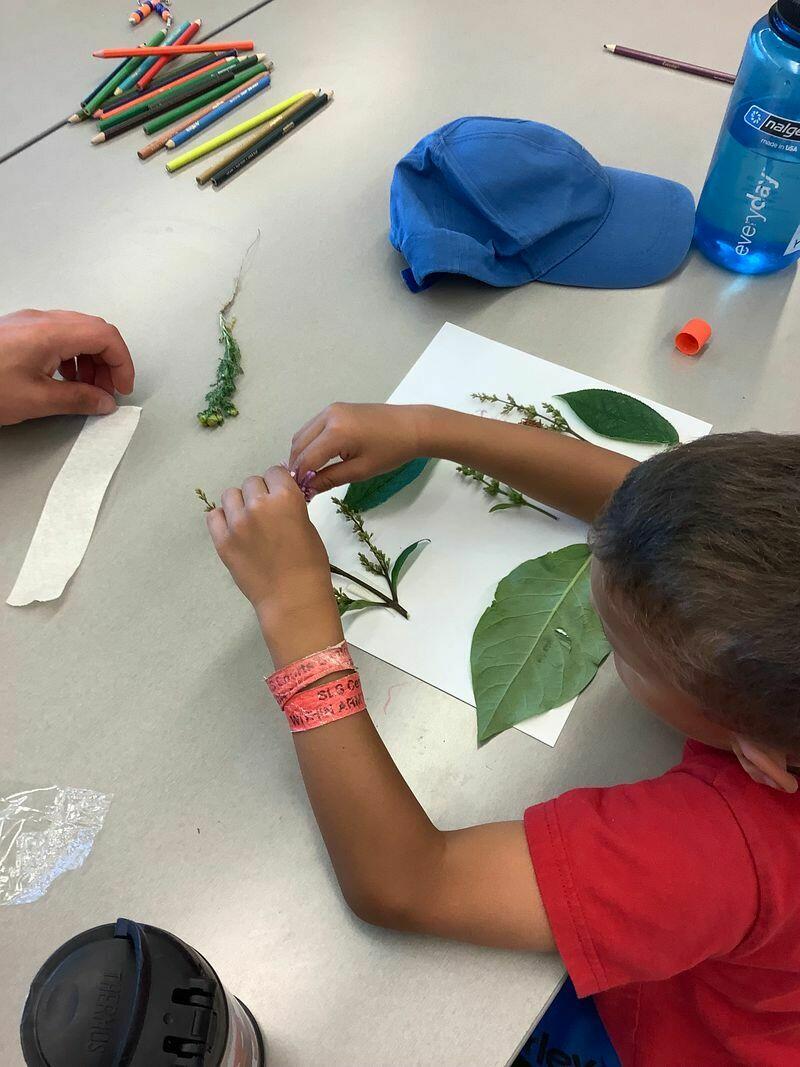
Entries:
{"x":368,"y":439}
{"x":265,"y":538}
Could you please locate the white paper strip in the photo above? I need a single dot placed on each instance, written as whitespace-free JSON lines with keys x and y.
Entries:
{"x":70,"y":511}
{"x":453,"y":579}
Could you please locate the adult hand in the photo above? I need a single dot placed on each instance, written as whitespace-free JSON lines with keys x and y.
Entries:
{"x":367,"y":439}
{"x":93,"y":361}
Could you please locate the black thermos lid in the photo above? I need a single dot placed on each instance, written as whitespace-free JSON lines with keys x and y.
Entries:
{"x":125,"y":995}
{"x":789,"y":10}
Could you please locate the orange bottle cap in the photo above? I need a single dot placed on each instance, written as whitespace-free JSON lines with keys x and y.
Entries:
{"x":692,"y":338}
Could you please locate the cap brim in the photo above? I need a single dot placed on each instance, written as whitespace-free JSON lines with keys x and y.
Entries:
{"x":645,"y":237}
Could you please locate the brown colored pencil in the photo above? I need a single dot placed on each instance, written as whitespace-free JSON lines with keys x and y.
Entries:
{"x":248,"y":142}
{"x":672,"y":64}
{"x":160,"y":141}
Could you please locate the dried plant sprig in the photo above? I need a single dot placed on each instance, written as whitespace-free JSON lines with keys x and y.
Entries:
{"x":492,"y":487}
{"x":209,"y":504}
{"x":219,"y":402}
{"x":549,"y":418}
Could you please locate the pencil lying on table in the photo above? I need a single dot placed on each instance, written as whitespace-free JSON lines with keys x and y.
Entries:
{"x":146,"y":76}
{"x":238,"y":131}
{"x":284,"y":116}
{"x":205,"y":121}
{"x":159,"y":142}
{"x":107,"y":89}
{"x":129,"y":82}
{"x":141,"y":98}
{"x":269,"y":139}
{"x":672,"y":64}
{"x":174,"y":49}
{"x":164,"y":113}
{"x":185,"y":70}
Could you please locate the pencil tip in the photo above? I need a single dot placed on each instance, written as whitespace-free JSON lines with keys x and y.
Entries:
{"x":609,"y":47}
{"x":97,"y":55}
{"x":169,"y":144}
{"x":98,"y":138}
{"x":117,"y":91}
{"x":75,"y":118}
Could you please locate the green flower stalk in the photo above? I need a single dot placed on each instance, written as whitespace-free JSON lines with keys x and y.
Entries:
{"x":209,"y":504}
{"x":549,"y":418}
{"x":492,"y":487}
{"x":219,"y":398}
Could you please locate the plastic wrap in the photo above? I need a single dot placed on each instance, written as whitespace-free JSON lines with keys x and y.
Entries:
{"x":44,"y":832}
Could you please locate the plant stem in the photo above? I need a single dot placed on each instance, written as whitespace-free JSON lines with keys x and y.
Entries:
{"x":390,"y":603}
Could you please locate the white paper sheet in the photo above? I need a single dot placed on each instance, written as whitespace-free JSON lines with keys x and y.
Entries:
{"x":453,"y":579}
{"x":70,"y":511}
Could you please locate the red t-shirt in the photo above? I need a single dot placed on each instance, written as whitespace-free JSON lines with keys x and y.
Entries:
{"x":676,"y":902}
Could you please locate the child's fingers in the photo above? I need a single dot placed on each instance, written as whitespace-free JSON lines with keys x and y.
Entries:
{"x":334,"y":475}
{"x":316,"y":455}
{"x":217,"y":527}
{"x":253,"y":488}
{"x":278,"y":479}
{"x":303,"y":438}
{"x":232,"y":505}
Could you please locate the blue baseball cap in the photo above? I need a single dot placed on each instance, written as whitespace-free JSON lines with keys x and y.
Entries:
{"x":509,"y":201}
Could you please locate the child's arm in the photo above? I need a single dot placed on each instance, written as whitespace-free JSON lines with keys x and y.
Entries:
{"x":394,"y":866}
{"x":570,"y":475}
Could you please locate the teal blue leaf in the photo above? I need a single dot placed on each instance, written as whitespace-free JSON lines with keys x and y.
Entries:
{"x":621,"y":417}
{"x":538,"y":644}
{"x":365,"y":495}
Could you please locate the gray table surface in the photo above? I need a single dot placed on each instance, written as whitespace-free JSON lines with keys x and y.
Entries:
{"x":144,"y":679}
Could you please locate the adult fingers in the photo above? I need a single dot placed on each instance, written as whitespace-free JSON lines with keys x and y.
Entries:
{"x":72,"y":334}
{"x":102,"y":377}
{"x":73,"y":398}
{"x":85,"y":369}
{"x":252,"y":489}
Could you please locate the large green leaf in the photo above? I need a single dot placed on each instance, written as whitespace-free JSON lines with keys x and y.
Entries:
{"x":538,"y":644}
{"x":365,"y":495}
{"x":622,"y":417}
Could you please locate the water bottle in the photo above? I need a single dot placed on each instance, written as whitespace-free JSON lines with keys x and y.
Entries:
{"x":748,"y":218}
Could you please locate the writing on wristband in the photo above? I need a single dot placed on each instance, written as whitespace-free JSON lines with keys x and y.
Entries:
{"x":326,"y":703}
{"x":288,"y":680}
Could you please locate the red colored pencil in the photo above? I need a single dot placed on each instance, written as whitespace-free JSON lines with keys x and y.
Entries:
{"x":104,"y":114}
{"x":184,"y":38}
{"x":175,"y":49}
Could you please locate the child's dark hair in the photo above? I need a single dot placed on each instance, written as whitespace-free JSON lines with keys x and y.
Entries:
{"x":702,"y":545}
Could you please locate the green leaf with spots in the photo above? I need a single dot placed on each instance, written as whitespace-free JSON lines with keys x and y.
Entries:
{"x":538,"y":644}
{"x":365,"y":495}
{"x":621,"y":417}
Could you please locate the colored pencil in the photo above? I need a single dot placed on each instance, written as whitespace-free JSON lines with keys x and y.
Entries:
{"x":133,"y":77}
{"x":192,"y":29}
{"x":672,"y":64}
{"x":192,"y":105}
{"x":110,"y":86}
{"x":214,"y":116}
{"x":268,"y":140}
{"x":141,"y":98}
{"x":80,"y":114}
{"x":177,"y":94}
{"x":282,"y":109}
{"x":175,"y":49}
{"x":159,"y":142}
{"x":185,"y":70}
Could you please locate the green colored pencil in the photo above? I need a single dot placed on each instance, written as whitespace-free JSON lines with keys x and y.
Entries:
{"x":107,"y":90}
{"x":206,"y":98}
{"x":235,"y":131}
{"x":177,"y":94}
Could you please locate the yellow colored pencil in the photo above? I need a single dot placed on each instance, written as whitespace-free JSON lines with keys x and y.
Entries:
{"x":236,"y":131}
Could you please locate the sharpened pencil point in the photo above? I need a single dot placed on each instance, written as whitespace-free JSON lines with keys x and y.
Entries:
{"x":170,"y":143}
{"x":98,"y":138}
{"x":610,"y":47}
{"x":77,"y":117}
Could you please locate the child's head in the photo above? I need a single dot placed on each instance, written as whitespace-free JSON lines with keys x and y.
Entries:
{"x":696,"y":576}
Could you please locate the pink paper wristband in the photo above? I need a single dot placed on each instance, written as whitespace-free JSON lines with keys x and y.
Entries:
{"x":287,"y":681}
{"x":325,"y":704}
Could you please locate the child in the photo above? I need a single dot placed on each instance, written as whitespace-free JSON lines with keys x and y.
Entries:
{"x":674,"y":901}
